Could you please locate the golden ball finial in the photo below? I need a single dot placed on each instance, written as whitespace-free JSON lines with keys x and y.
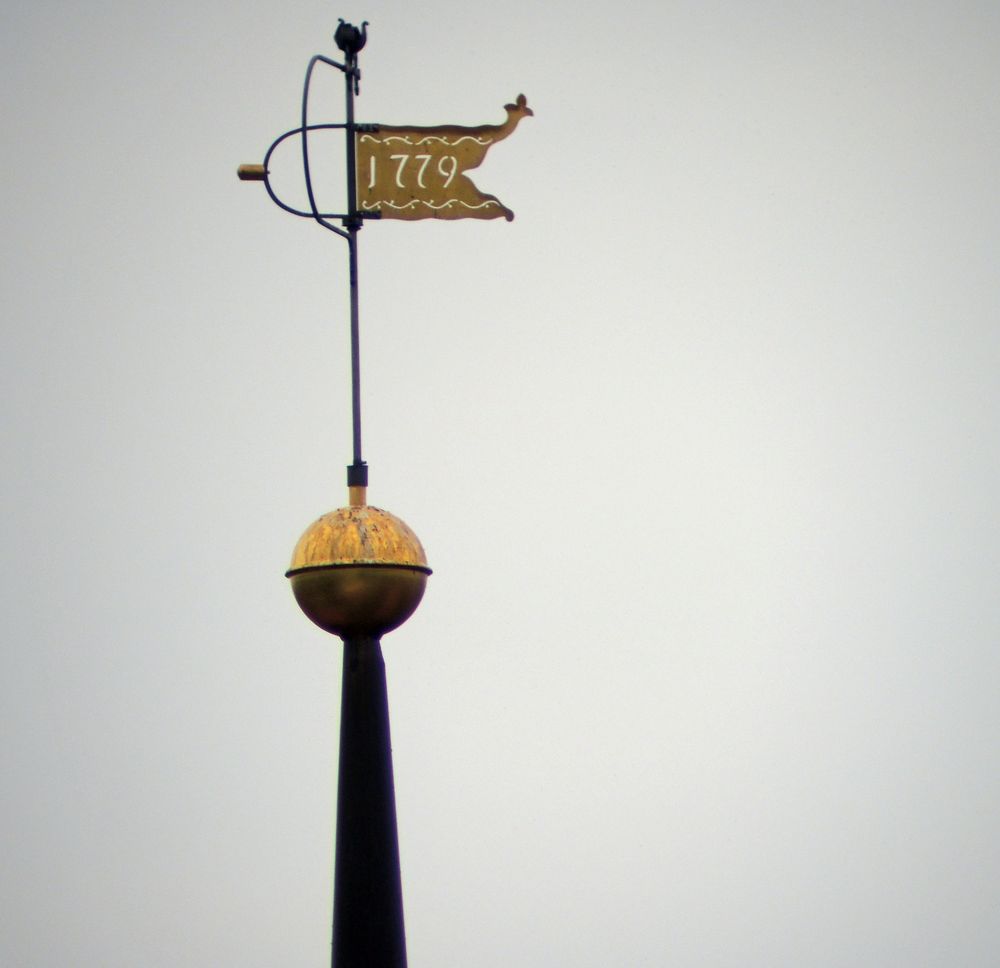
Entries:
{"x":358,"y":571}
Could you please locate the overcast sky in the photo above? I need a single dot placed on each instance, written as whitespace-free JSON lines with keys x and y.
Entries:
{"x":702,"y":448}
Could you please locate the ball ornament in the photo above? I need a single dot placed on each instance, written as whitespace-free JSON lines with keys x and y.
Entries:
{"x":358,"y":571}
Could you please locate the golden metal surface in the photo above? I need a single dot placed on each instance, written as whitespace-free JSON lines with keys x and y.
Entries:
{"x":251,"y":172}
{"x":418,"y":172}
{"x":358,"y":535}
{"x":358,"y":571}
{"x":357,"y":496}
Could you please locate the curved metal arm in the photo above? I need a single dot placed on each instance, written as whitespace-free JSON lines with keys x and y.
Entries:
{"x":267,"y":180}
{"x":320,"y":217}
{"x":262,"y":173}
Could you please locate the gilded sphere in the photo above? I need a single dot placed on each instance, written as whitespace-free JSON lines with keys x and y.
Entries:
{"x":358,"y":571}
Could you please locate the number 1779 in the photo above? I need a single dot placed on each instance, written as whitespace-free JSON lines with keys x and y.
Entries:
{"x":447,"y":168}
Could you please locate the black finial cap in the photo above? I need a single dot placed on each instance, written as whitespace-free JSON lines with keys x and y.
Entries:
{"x":350,"y":39}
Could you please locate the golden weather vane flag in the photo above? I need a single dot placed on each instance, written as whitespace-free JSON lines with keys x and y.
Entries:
{"x":420,"y":172}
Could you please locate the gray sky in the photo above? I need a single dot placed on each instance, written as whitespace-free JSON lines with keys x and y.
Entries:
{"x":702,"y":447}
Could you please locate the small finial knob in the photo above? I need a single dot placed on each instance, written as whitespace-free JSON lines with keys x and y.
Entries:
{"x":350,"y":39}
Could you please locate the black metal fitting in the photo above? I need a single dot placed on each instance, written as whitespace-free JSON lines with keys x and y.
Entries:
{"x":357,"y":475}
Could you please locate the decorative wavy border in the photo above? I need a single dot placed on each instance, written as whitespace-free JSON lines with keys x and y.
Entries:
{"x":427,"y":138}
{"x":368,"y":207}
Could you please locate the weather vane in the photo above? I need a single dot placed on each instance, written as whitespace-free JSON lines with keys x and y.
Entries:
{"x":359,"y":572}
{"x":407,"y":172}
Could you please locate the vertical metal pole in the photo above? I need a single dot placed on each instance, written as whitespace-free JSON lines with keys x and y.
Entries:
{"x":357,"y":474}
{"x":368,"y":927}
{"x":352,"y":243}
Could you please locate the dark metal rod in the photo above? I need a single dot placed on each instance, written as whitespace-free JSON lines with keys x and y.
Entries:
{"x":350,"y":81}
{"x":368,"y":929}
{"x":352,"y":245}
{"x":353,"y":223}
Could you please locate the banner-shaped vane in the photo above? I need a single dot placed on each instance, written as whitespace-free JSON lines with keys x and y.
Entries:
{"x":417,"y":172}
